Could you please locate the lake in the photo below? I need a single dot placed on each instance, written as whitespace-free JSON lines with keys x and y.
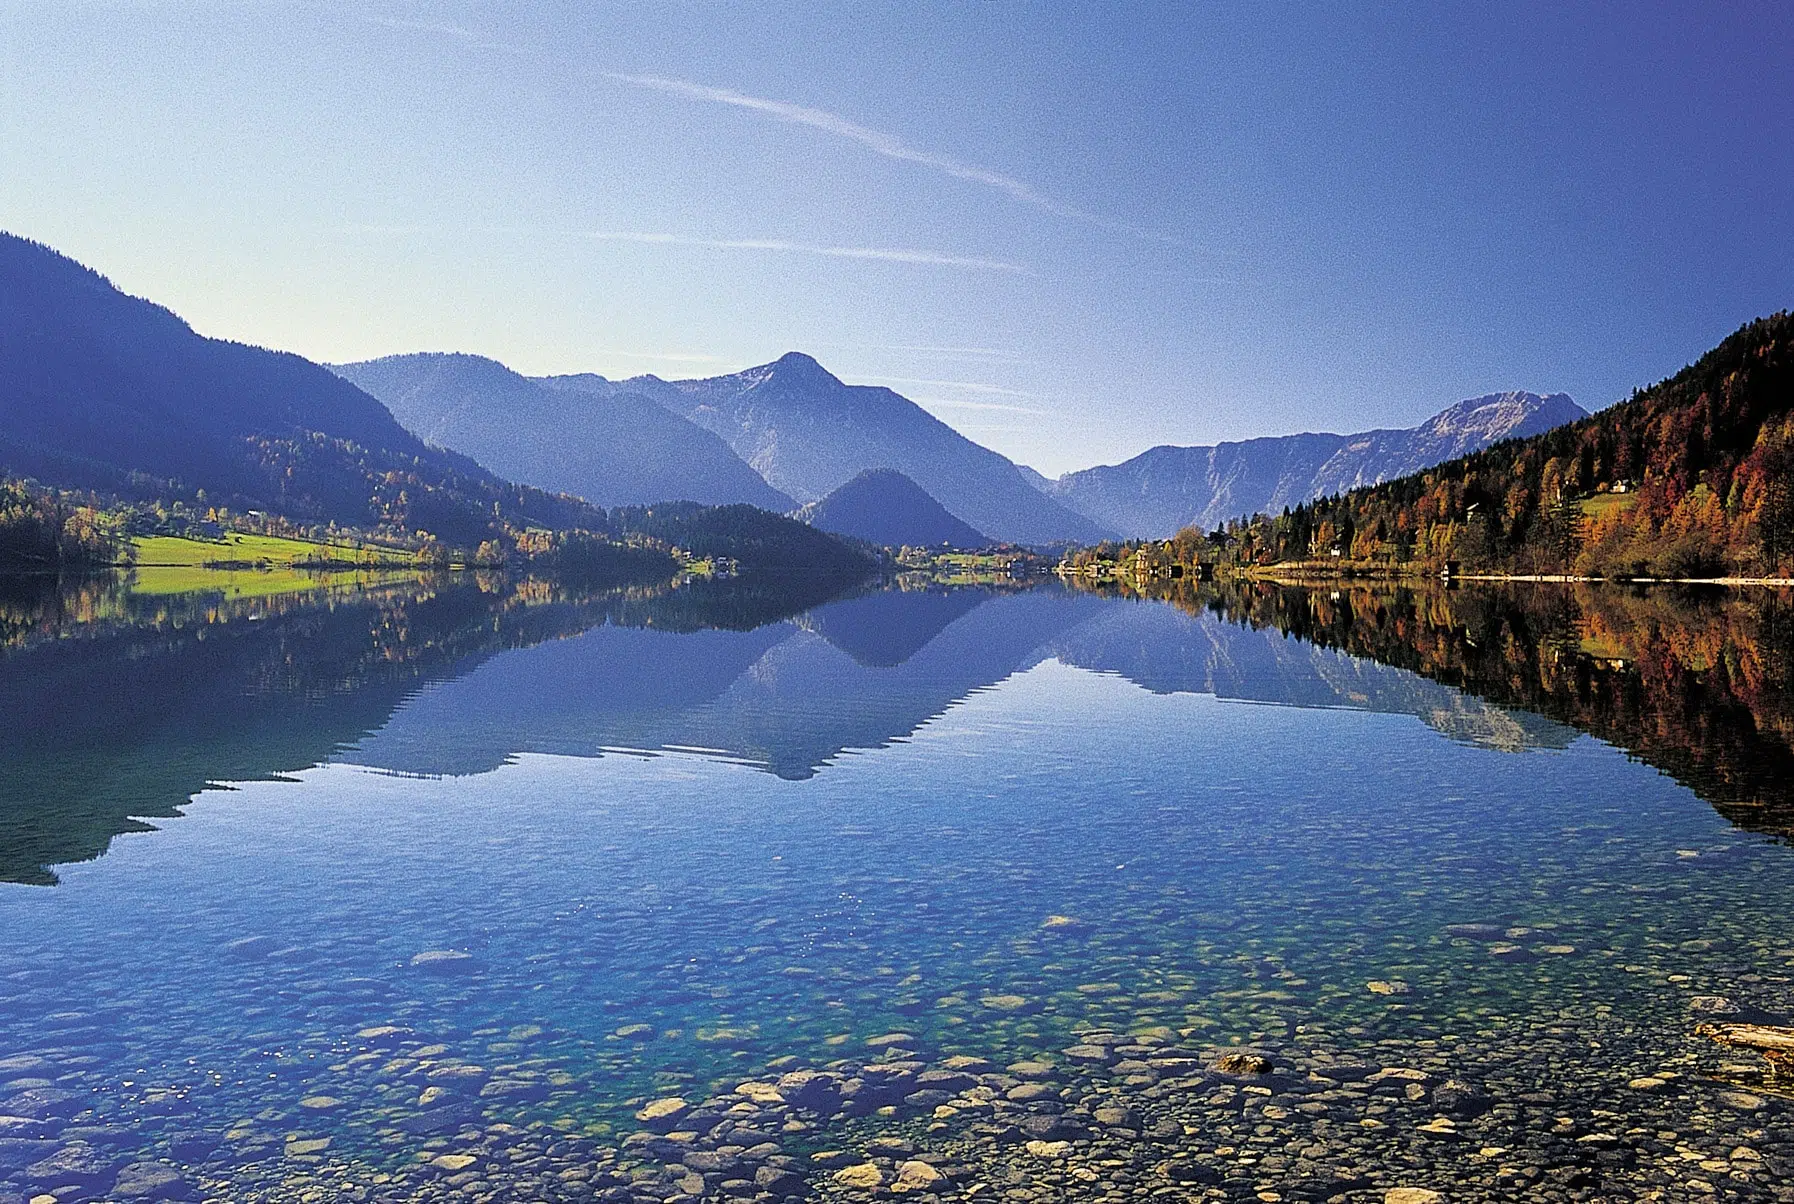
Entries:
{"x":466,"y":890}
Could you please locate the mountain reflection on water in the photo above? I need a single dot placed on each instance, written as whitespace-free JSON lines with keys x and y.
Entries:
{"x":116,"y":709}
{"x":1697,"y":682}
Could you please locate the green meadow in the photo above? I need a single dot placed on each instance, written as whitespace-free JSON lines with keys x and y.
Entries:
{"x":240,"y":565}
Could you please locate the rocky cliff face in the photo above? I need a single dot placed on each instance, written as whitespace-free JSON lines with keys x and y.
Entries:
{"x":1165,"y":489}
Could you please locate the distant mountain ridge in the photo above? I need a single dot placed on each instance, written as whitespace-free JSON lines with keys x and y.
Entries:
{"x":614,"y":449}
{"x":1161,"y":491}
{"x":807,"y":433}
{"x":884,"y":507}
{"x":101,"y":390}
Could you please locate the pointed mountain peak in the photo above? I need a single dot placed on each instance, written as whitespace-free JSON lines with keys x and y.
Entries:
{"x":883,"y":506}
{"x":797,"y":370}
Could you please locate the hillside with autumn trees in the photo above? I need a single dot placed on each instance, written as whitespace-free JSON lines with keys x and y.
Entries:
{"x":1690,"y":478}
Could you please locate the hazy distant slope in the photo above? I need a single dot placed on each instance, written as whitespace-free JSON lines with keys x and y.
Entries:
{"x":807,"y":433}
{"x":882,"y":506}
{"x":1162,"y":490}
{"x":617,"y":449}
{"x":107,"y":391}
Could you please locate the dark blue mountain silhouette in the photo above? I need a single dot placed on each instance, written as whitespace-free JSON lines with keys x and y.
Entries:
{"x":100,"y":390}
{"x":884,"y":507}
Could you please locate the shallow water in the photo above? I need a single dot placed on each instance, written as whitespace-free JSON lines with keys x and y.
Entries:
{"x":565,"y":878}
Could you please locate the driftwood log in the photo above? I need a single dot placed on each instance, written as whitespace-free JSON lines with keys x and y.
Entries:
{"x":1775,"y":1044}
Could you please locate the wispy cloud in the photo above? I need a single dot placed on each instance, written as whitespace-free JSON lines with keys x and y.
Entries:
{"x":968,"y":352}
{"x":982,"y":406}
{"x":885,"y":254}
{"x":445,"y":29}
{"x":936,"y":352}
{"x":967,"y":385}
{"x":654,"y":239}
{"x":884,"y":144}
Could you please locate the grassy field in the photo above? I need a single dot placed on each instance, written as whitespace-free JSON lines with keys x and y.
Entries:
{"x":236,"y":548}
{"x":260,"y":566}
{"x":1605,"y":503}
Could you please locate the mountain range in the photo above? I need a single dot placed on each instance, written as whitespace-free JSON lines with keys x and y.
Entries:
{"x":807,"y":433}
{"x":1161,"y":491}
{"x":107,"y":392}
{"x":613,"y":449}
{"x":884,"y":507}
{"x":104,"y":391}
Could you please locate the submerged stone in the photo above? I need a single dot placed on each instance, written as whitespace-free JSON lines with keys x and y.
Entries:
{"x":916,"y":1176}
{"x":1033,"y":1070}
{"x":148,"y":1181}
{"x":663,"y":1115}
{"x":1005,"y":1003}
{"x":74,"y":1165}
{"x":864,"y":1176}
{"x":1243,"y":1064}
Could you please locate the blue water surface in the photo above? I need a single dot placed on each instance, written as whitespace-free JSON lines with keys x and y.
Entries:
{"x":630,"y":862}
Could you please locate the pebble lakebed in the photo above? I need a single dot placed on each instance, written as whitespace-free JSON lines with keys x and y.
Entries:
{"x":916,"y":1001}
{"x":1575,"y":1107}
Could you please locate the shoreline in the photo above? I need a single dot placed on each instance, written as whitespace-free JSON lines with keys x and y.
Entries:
{"x":1527,"y":578}
{"x":1299,"y":577}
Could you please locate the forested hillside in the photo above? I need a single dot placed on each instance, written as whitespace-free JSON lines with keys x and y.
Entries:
{"x":887,"y":509}
{"x":1692,"y":477}
{"x":43,"y":530}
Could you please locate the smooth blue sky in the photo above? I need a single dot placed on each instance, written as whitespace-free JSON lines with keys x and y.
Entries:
{"x":1073,"y":231}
